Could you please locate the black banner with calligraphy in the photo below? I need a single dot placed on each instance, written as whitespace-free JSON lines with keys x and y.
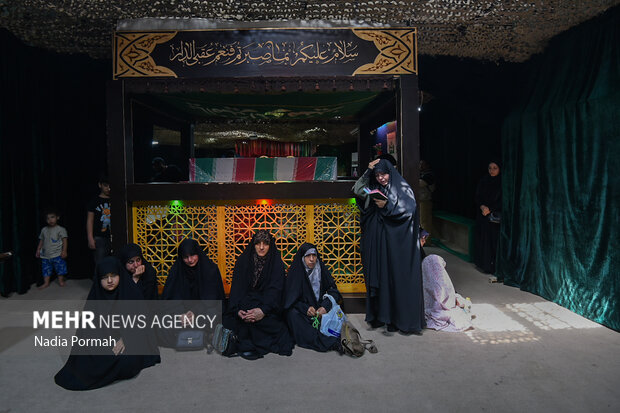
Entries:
{"x":265,"y":52}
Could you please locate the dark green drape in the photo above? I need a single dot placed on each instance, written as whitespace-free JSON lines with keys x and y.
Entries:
{"x":560,"y":237}
{"x":52,"y":148}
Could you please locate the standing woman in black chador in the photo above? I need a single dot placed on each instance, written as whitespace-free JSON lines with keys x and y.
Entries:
{"x":139,"y":270}
{"x":255,"y":303}
{"x":308,"y":280}
{"x":195,"y":277}
{"x":489,"y":203}
{"x":119,"y":362}
{"x":390,"y":250}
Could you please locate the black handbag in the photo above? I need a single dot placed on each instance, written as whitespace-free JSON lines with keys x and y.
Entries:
{"x":190,"y":340}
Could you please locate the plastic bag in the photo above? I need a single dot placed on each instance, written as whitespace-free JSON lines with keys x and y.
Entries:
{"x":331,"y":323}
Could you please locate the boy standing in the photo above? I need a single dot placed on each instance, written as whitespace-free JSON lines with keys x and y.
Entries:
{"x":98,"y":222}
{"x":52,"y":250}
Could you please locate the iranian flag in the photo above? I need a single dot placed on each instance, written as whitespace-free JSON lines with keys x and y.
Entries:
{"x":262,"y":169}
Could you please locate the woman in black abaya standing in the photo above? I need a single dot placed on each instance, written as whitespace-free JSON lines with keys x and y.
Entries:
{"x":489,"y":202}
{"x":91,"y":371}
{"x":390,"y":250}
{"x":255,"y":304}
{"x":308,"y":280}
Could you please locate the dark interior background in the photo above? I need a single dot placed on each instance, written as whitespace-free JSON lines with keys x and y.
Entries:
{"x":53,"y":142}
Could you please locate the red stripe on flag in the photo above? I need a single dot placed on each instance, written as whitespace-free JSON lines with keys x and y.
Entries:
{"x":304,"y":170}
{"x":192,"y":169}
{"x":244,"y":169}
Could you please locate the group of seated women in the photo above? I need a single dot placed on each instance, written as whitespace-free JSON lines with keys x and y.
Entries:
{"x":267,"y":311}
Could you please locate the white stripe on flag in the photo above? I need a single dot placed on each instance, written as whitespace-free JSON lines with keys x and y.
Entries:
{"x":285,"y":169}
{"x":224,"y":169}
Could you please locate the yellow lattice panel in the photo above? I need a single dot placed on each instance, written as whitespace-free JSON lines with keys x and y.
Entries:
{"x":337,"y":234}
{"x":287,"y":222}
{"x":225,"y":230}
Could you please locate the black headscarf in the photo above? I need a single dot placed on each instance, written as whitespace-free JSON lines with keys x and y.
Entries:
{"x":126,"y":289}
{"x":298,"y":289}
{"x":258,"y":281}
{"x":86,"y":372}
{"x":489,"y":190}
{"x":148,"y":280}
{"x":201,"y":282}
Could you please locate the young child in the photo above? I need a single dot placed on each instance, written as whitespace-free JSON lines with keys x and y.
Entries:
{"x":52,"y":250}
{"x":98,"y":222}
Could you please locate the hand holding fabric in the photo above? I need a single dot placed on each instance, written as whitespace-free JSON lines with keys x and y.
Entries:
{"x":380,"y":203}
{"x":321,"y":311}
{"x":311,"y":311}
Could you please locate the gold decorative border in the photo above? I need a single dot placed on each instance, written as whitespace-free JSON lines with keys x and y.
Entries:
{"x":397,"y":51}
{"x":132,"y":55}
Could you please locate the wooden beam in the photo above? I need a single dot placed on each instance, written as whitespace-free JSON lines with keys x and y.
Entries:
{"x":117,"y":161}
{"x":239,"y":191}
{"x":409,"y":130}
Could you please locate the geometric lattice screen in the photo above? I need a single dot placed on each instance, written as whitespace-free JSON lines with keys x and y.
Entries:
{"x":224,"y":231}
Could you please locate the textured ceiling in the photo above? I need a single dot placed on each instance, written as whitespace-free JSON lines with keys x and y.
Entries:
{"x":492,"y":30}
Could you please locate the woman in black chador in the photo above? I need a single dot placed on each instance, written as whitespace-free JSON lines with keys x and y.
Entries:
{"x":139,"y":269}
{"x":119,"y":362}
{"x":489,"y":203}
{"x":308,"y":280}
{"x":390,"y":250}
{"x":193,"y":277}
{"x":255,"y":303}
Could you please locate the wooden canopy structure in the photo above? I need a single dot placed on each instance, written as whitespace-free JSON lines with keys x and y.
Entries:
{"x":366,"y":75}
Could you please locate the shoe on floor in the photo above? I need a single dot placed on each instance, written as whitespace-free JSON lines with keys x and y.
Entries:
{"x":375,"y":324}
{"x":250,"y":355}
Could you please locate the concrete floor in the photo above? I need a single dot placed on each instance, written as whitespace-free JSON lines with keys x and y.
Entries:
{"x":526,"y":354}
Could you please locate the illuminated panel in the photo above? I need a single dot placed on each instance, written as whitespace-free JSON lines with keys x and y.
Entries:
{"x":225,"y":230}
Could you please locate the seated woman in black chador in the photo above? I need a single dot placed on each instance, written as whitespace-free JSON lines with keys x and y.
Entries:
{"x":308,"y":280}
{"x":88,"y":371}
{"x":193,"y":276}
{"x":255,"y":303}
{"x":139,"y":269}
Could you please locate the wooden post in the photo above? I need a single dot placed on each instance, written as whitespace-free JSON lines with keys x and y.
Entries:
{"x":409,"y":130}
{"x":117,"y":165}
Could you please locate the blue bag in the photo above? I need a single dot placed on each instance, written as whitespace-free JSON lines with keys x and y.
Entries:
{"x":331,"y":323}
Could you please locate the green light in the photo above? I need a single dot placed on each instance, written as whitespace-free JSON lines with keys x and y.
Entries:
{"x":352,"y":201}
{"x":176,"y":207}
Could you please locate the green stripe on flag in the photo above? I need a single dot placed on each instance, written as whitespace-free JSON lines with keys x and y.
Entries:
{"x":325,"y":169}
{"x":265,"y":169}
{"x":204,"y":169}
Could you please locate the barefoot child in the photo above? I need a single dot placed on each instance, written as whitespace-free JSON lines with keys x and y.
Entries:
{"x":52,"y":250}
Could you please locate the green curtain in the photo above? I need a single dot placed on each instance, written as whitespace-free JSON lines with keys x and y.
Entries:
{"x":560,"y":236}
{"x":52,"y":148}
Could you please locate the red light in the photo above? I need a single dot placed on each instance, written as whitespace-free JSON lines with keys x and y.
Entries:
{"x":264,"y":202}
